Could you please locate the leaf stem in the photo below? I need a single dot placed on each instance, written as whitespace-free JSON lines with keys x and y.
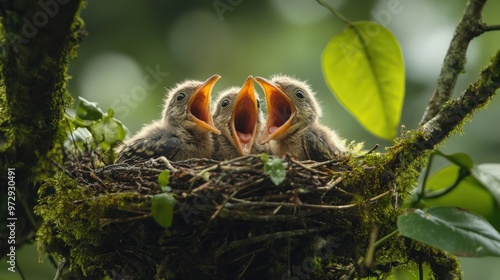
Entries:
{"x":335,"y":12}
{"x":461,"y":175}
{"x":495,"y":27}
{"x":426,"y":175}
{"x":383,"y":239}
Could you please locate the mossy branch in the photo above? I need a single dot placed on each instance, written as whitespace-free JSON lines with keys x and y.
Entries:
{"x":469,"y":27}
{"x":38,"y":37}
{"x":449,"y":119}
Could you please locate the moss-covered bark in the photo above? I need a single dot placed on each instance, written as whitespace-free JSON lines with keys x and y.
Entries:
{"x":38,"y":38}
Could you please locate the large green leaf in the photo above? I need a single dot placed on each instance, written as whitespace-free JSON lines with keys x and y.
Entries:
{"x":460,"y":159}
{"x":364,"y":68}
{"x":455,"y":230}
{"x":469,"y":194}
{"x":162,"y":209}
{"x":489,"y":176}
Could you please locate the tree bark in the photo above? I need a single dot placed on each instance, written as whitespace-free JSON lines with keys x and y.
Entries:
{"x":40,"y":37}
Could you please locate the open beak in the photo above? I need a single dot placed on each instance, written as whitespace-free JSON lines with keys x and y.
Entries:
{"x":280,"y":111}
{"x":244,"y":118}
{"x":199,"y":105}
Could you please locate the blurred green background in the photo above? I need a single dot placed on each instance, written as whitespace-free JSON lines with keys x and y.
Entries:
{"x":136,"y":49}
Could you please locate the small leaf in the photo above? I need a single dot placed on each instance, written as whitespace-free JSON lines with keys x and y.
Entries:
{"x":264,"y":157}
{"x":163,"y":178}
{"x":460,"y":159}
{"x":108,"y":132}
{"x":364,"y":68}
{"x":88,"y":111}
{"x":489,"y":176}
{"x":275,"y":169}
{"x":455,"y":230}
{"x":162,"y":209}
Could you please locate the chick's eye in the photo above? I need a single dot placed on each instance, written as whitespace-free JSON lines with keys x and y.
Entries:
{"x":225,"y":102}
{"x":299,"y":94}
{"x":258,"y":103}
{"x":180,"y":96}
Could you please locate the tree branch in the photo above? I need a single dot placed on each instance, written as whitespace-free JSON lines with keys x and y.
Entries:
{"x":469,"y":27}
{"x":451,"y":116}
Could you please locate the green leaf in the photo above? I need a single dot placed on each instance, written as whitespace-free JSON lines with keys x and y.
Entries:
{"x":88,"y":111}
{"x":364,"y":68}
{"x":108,"y":132}
{"x":264,"y":157}
{"x":489,"y":177}
{"x":468,"y":194}
{"x":163,"y":178}
{"x":275,"y":169}
{"x":455,"y":230}
{"x":460,"y":159}
{"x":162,"y":209}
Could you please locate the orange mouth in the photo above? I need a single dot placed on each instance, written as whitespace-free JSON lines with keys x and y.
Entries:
{"x":280,"y":111}
{"x":199,"y":105}
{"x":244,"y":118}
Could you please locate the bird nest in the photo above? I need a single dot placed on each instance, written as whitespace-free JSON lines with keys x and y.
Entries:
{"x":230,"y":220}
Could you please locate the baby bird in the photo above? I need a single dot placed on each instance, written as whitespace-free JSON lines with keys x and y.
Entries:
{"x":292,"y":121}
{"x":184,"y":130}
{"x":238,"y":117}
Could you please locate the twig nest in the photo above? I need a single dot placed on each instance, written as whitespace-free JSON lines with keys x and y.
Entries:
{"x":230,"y":219}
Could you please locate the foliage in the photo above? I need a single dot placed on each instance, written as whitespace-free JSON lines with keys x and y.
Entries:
{"x":162,"y":204}
{"x":275,"y":168}
{"x":91,"y":126}
{"x":455,"y":230}
{"x":364,"y":67}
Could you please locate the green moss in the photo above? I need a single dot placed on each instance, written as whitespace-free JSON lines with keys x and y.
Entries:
{"x":76,"y":221}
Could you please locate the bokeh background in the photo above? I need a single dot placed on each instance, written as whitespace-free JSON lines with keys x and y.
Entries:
{"x":136,"y":49}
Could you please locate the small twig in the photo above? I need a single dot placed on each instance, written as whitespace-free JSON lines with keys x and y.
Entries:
{"x":105,"y":222}
{"x":469,"y":27}
{"x":220,"y":207}
{"x":335,"y":12}
{"x":202,"y":173}
{"x":307,"y":167}
{"x":331,"y":184}
{"x":265,"y":237}
{"x":495,"y":27}
{"x":379,"y":196}
{"x":20,"y":271}
{"x":286,"y":204}
{"x":277,"y":210}
{"x":61,"y":168}
{"x":163,"y":160}
{"x":242,"y":273}
{"x":375,"y":147}
{"x":96,"y":178}
{"x":315,"y":164}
